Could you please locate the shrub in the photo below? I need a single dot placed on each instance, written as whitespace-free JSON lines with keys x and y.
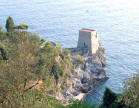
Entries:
{"x":80,"y":104}
{"x":42,"y":41}
{"x":67,"y":52}
{"x":3,"y":53}
{"x":21,"y":26}
{"x":79,"y":59}
{"x":0,"y":28}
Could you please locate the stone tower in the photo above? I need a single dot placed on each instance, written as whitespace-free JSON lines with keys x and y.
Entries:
{"x":88,"y":39}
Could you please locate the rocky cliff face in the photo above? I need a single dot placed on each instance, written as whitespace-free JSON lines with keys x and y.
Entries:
{"x":88,"y":71}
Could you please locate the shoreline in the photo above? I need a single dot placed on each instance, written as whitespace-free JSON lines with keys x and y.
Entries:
{"x":85,"y":94}
{"x":89,"y":72}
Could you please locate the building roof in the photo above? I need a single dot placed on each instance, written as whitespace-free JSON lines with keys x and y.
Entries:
{"x":86,"y":30}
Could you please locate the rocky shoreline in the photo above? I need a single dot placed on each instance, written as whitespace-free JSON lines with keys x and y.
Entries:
{"x":89,"y":70}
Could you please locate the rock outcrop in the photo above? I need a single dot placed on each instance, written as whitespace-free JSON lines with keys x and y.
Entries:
{"x":89,"y":70}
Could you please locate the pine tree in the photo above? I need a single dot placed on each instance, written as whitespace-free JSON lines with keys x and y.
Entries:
{"x":109,"y":98}
{"x":9,"y":24}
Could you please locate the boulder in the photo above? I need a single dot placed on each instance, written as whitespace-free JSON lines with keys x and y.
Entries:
{"x":84,"y":80}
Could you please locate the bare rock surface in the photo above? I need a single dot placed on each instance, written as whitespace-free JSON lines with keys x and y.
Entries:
{"x":89,"y":70}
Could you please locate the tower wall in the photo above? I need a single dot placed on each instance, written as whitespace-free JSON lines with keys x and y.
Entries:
{"x":94,"y":42}
{"x":84,"y":39}
{"x":88,"y":39}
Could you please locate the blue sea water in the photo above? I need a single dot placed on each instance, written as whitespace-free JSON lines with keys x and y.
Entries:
{"x":116,"y":21}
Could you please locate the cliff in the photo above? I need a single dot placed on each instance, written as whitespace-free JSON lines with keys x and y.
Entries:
{"x":89,"y":70}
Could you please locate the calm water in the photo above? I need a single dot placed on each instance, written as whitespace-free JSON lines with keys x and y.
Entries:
{"x":117,"y":22}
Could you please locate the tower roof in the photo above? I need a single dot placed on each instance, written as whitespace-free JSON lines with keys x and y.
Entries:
{"x":87,"y":30}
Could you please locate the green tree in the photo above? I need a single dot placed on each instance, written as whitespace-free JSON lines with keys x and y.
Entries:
{"x":16,"y":27}
{"x":109,"y":99}
{"x":21,"y":27}
{"x":42,"y":41}
{"x":0,"y":28}
{"x":9,"y":24}
{"x":17,"y":72}
{"x":131,"y":92}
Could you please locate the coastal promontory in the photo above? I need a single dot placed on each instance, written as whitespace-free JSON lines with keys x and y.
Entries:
{"x":88,"y":59}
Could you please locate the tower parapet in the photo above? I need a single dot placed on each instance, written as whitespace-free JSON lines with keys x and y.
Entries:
{"x":88,"y":38}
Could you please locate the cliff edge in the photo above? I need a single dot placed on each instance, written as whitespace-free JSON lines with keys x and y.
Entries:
{"x":89,"y":70}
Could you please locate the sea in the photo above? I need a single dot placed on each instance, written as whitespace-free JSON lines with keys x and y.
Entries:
{"x":116,"y":21}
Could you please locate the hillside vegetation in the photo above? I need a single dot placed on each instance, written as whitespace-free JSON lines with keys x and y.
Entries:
{"x":30,"y":69}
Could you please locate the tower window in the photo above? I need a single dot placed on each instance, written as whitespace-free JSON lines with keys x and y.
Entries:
{"x":96,"y":35}
{"x":84,"y":44}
